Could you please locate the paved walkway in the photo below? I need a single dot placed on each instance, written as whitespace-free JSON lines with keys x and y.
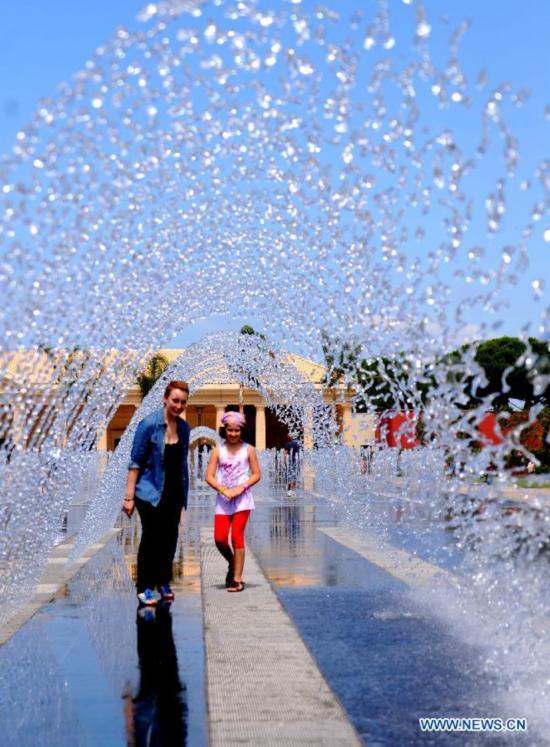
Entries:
{"x":264,"y":688}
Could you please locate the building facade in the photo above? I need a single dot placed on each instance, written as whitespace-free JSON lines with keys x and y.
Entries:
{"x":264,"y":430}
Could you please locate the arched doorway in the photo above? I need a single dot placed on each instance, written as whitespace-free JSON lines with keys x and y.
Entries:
{"x":201,"y":442}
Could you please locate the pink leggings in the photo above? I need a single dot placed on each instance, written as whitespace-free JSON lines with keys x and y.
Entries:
{"x":235,"y":522}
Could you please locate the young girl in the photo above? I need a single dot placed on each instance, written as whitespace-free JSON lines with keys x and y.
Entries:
{"x":232,"y":470}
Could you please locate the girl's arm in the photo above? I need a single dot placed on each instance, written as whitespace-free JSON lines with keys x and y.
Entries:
{"x":255,"y":473}
{"x":210,"y":476}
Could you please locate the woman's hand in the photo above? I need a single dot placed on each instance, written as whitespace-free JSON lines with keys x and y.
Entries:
{"x":129,"y":505}
{"x":131,"y":482}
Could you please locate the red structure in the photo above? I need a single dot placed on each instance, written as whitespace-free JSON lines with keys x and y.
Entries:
{"x":487,"y":428}
{"x":397,"y":429}
{"x":532,"y":437}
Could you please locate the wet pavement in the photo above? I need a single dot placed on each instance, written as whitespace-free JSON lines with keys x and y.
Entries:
{"x":387,"y":659}
{"x":88,"y":669}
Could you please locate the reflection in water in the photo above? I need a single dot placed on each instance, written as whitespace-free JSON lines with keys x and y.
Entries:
{"x":160,"y":707}
{"x":287,"y":524}
{"x":288,"y":559}
{"x":398,"y":511}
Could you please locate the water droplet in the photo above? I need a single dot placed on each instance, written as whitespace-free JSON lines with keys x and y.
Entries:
{"x":423,"y":30}
{"x":148,"y":12}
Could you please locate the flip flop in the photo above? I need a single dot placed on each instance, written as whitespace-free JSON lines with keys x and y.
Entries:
{"x":236,"y":586}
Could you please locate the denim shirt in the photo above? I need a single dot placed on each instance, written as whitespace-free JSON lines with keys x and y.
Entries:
{"x":147,"y":455}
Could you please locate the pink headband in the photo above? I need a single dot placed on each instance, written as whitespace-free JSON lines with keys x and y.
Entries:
{"x":235,"y":417}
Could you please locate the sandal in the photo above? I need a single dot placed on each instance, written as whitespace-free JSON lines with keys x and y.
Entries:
{"x":236,"y":586}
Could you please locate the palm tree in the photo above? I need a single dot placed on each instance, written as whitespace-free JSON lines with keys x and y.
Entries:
{"x":152,"y":373}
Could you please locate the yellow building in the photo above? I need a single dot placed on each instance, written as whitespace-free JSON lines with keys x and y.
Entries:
{"x":264,"y":429}
{"x":34,"y":388}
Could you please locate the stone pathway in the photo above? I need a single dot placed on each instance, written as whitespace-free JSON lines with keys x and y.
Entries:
{"x":263,"y":685}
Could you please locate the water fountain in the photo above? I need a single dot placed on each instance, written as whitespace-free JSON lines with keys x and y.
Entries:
{"x":218,"y":359}
{"x":284,"y":159}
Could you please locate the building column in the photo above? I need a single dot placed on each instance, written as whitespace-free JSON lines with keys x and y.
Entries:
{"x":220,"y":410}
{"x":102,"y":443}
{"x":308,"y":473}
{"x":308,"y":429}
{"x":347,"y":424}
{"x":260,"y":427}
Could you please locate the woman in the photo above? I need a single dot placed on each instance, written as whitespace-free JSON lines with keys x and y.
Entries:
{"x":232,"y":470}
{"x":157,"y":485}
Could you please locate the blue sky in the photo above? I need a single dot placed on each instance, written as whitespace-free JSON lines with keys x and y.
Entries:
{"x":42,"y":44}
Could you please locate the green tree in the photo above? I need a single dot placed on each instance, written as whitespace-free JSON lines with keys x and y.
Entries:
{"x":246,"y":329}
{"x":69,"y":368}
{"x":391,"y":384}
{"x":383,"y":383}
{"x":510,"y":365}
{"x":341,"y":360}
{"x":245,"y":372}
{"x":154,"y":369}
{"x":508,"y":374}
